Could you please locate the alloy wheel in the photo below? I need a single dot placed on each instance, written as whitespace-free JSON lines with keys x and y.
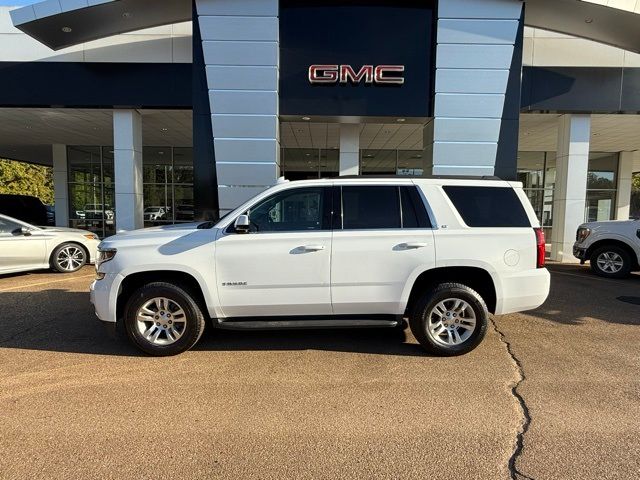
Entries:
{"x":70,"y":258}
{"x":161,"y":321}
{"x":610,"y":262}
{"x":451,"y":322}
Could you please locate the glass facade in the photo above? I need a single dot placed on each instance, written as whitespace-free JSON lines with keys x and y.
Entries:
{"x":91,"y":189}
{"x":167,"y":187}
{"x":602,"y":184}
{"x":305,"y":163}
{"x":634,"y":210}
{"x":537,"y":172}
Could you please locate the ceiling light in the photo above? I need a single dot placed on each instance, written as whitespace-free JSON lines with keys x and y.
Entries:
{"x":165,"y":129}
{"x":588,"y":20}
{"x":306,"y":119}
{"x":126,"y":15}
{"x":400,"y":119}
{"x":300,"y":130}
{"x":67,"y":29}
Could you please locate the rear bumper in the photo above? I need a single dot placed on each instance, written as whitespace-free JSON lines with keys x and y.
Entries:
{"x":524,"y":291}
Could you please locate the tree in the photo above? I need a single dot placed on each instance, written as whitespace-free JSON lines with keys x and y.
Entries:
{"x":26,"y":179}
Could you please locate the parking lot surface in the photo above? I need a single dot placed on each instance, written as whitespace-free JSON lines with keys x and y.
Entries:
{"x":552,"y":393}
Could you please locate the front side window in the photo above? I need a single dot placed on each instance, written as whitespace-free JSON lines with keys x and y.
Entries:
{"x":7,"y":226}
{"x":300,"y":209}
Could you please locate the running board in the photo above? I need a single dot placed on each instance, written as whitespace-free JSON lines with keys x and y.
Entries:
{"x":265,"y":324}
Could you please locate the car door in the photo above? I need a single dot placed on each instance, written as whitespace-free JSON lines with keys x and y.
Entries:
{"x":282,"y":266}
{"x":18,"y":251}
{"x":384,"y":239}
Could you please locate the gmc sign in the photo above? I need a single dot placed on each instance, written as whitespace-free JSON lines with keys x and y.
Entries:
{"x":380,"y":74}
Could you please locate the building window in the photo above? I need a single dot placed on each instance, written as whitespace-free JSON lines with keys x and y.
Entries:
{"x":634,"y":210}
{"x":601,"y":186}
{"x":91,"y":189}
{"x":537,"y":172}
{"x":309,"y":163}
{"x":167,"y":185}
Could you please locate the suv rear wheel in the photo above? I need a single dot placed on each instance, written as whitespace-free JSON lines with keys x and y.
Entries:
{"x":610,"y":261}
{"x":162,"y":319}
{"x":449,"y":320}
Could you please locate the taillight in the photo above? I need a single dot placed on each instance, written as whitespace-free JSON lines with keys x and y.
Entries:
{"x":540,"y":247}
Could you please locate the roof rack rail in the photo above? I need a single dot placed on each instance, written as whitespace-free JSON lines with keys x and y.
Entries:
{"x":436,"y":177}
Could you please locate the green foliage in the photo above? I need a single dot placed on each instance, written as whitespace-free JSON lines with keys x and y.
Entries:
{"x":26,"y":179}
{"x":636,"y":181}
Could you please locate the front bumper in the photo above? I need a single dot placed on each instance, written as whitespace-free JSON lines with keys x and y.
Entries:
{"x":580,"y":252}
{"x":104,"y":295}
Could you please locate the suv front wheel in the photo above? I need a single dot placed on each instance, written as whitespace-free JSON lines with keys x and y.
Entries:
{"x":610,"y":261}
{"x":162,"y":319}
{"x":449,"y":320}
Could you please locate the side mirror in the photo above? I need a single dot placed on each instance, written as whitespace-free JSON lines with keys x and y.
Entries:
{"x":241,"y":225}
{"x":25,"y":231}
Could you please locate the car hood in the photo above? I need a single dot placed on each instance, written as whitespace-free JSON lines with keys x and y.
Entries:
{"x":162,"y":235}
{"x":65,"y":230}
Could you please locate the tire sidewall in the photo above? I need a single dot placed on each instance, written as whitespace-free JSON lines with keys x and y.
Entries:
{"x":54,"y":257}
{"x":193,"y":328}
{"x":430,"y":300}
{"x":626,"y":262}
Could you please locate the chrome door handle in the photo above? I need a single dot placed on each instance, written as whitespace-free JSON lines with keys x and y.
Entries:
{"x":312,"y":248}
{"x":410,"y":245}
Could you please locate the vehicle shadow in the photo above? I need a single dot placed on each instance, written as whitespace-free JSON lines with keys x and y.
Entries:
{"x":577,"y":295}
{"x":63,"y":321}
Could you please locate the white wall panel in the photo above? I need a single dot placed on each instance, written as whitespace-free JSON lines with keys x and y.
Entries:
{"x":473,"y":56}
{"x":241,"y":53}
{"x":477,"y":31}
{"x":488,"y":9}
{"x":468,"y":105}
{"x":466,"y":80}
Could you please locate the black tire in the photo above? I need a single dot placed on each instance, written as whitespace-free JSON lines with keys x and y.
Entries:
{"x":190,"y":332}
{"x":614,"y":253}
{"x":68,"y":257}
{"x":421,"y":317}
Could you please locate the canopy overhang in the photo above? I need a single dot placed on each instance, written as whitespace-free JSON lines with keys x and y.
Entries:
{"x":87,"y":20}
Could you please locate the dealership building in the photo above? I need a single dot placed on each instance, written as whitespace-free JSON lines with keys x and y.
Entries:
{"x":184,"y":109}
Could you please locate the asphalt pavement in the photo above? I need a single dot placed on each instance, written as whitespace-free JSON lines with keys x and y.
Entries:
{"x":553,"y":393}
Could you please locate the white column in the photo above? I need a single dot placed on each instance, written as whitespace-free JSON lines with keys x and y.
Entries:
{"x":127,"y":142}
{"x":349,"y":148}
{"x":625,"y":174}
{"x":60,"y":185}
{"x":569,"y":198}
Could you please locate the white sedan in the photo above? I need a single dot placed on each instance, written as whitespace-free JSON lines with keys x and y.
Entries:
{"x":26,"y":247}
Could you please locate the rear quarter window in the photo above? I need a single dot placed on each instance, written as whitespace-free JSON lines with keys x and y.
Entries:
{"x":488,"y":206}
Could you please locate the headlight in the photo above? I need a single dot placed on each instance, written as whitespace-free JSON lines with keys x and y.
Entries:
{"x":104,"y":255}
{"x":582,"y":234}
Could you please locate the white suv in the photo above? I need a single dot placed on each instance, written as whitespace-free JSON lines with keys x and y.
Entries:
{"x":344,"y":252}
{"x":612,"y":247}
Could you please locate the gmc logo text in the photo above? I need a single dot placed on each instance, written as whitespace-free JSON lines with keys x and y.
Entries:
{"x":380,"y":74}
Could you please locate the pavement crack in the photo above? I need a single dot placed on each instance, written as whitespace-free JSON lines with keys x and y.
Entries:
{"x":526,"y":415}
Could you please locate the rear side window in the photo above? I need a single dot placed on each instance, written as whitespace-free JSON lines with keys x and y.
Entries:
{"x":414,"y":213}
{"x":488,"y":206}
{"x":370,"y":207}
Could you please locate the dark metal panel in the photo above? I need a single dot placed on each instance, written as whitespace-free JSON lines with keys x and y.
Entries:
{"x":572,"y":89}
{"x":95,"y":85}
{"x":630,"y":95}
{"x":356,"y":33}
{"x":205,"y":179}
{"x":105,"y":20}
{"x":506,"y":165}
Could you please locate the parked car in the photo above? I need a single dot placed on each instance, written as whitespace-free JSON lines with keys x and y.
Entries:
{"x":152,"y":214}
{"x":25,"y":247}
{"x":612,"y":247}
{"x":347,"y":252}
{"x":51,"y":214}
{"x":24,"y":207}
